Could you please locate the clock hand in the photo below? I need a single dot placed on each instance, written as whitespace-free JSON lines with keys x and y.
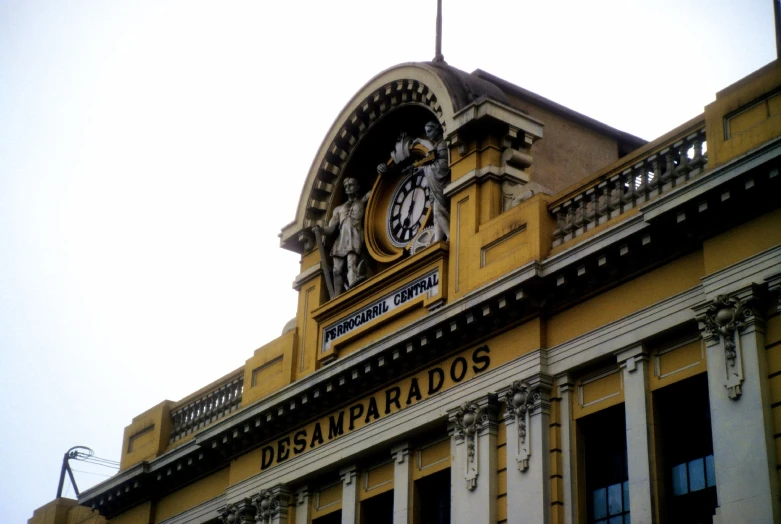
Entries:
{"x":410,"y":207}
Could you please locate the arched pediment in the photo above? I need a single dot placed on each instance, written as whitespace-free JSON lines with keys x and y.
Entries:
{"x":437,"y":87}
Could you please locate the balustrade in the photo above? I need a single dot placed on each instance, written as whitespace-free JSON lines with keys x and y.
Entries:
{"x":207,"y":408}
{"x":665,"y":167}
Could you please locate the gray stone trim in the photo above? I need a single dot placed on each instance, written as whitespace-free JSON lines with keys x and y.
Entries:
{"x":201,"y":513}
{"x":387,"y":430}
{"x":489,"y":172}
{"x":306,"y":275}
{"x":711,"y":179}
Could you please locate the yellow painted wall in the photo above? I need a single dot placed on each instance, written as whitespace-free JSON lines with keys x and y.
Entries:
{"x":311,"y":296}
{"x":743,"y":241}
{"x":84,"y":515}
{"x":482,"y":252}
{"x":147,"y":436}
{"x":375,"y":480}
{"x":269,"y":369}
{"x":192,"y":495}
{"x":744,"y":116}
{"x":665,"y":281}
{"x":141,"y":514}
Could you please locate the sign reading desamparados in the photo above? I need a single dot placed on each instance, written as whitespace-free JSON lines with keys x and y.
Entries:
{"x":428,"y":283}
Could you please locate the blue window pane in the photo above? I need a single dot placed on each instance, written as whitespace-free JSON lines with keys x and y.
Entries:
{"x":710,"y":471}
{"x":614,"y":500}
{"x":626,"y":496}
{"x":600,"y":503}
{"x":601,"y":522}
{"x":616,"y":520}
{"x":680,"y":484}
{"x":627,"y":520}
{"x":696,"y":475}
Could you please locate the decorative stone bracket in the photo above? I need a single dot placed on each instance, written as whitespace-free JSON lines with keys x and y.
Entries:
{"x":470,"y":420}
{"x":269,"y":506}
{"x":519,"y":401}
{"x":721,"y":322}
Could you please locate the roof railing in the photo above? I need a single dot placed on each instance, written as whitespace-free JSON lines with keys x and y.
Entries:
{"x":657,"y":168}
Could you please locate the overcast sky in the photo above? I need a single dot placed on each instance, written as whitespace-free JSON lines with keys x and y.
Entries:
{"x":150,"y":152}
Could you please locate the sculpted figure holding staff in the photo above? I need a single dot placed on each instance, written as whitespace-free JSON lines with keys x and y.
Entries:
{"x":348,"y":247}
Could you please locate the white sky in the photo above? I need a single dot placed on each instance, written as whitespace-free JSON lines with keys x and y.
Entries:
{"x":151,"y":151}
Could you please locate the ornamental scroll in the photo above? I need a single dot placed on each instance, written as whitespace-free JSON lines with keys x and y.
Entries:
{"x":722,"y":321}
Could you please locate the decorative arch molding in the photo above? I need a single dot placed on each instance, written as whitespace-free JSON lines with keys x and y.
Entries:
{"x":441,"y":89}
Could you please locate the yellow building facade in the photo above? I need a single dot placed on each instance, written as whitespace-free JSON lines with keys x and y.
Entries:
{"x":508,"y":312}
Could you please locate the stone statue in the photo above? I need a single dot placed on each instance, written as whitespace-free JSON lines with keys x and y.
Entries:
{"x":347,"y":218}
{"x":437,"y":173}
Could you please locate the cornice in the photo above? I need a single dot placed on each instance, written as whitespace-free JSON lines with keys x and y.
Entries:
{"x":537,"y":288}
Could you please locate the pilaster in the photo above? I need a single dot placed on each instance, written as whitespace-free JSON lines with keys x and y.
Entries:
{"x":473,"y":470}
{"x":527,"y":419}
{"x":743,"y":446}
{"x":303,"y":505}
{"x":402,"y":482}
{"x":272,"y":505}
{"x":637,"y":397}
{"x":349,"y":495}
{"x":566,"y":389}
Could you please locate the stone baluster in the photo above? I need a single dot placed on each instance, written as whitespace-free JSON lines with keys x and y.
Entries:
{"x":655,"y":173}
{"x":591,"y":208}
{"x":697,"y":161}
{"x":579,"y":215}
{"x":682,"y":169}
{"x":665,"y":179}
{"x":640,"y":182}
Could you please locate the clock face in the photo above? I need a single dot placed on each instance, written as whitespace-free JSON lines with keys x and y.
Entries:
{"x":408,"y":209}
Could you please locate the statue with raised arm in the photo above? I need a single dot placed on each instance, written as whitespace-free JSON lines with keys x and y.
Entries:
{"x":347,"y":250}
{"x":435,"y":167}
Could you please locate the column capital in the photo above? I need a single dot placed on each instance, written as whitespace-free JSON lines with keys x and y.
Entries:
{"x":722,"y":321}
{"x":272,"y":503}
{"x":774,"y":286}
{"x":521,"y":400}
{"x":629,"y":357}
{"x":302,"y":495}
{"x":564,"y":383}
{"x":241,"y":512}
{"x":400,"y":452}
{"x":474,"y":417}
{"x":348,"y":474}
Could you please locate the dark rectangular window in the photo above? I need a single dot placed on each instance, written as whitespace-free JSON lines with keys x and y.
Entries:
{"x":331,"y":518}
{"x":685,"y":451}
{"x":604,"y":450}
{"x":432,"y":496}
{"x":378,"y":509}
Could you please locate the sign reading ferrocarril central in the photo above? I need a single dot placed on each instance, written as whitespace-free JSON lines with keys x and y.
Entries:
{"x":428,"y":283}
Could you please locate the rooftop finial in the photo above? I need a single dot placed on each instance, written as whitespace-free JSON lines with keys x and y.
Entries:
{"x":438,"y":56}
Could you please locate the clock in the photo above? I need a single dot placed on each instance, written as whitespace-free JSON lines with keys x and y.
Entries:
{"x":409,"y":205}
{"x":399,"y":206}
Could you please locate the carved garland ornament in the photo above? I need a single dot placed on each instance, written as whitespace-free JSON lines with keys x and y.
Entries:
{"x":518,"y":402}
{"x":262,"y":508}
{"x":267,"y":505}
{"x":469,"y":419}
{"x":723,"y":318}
